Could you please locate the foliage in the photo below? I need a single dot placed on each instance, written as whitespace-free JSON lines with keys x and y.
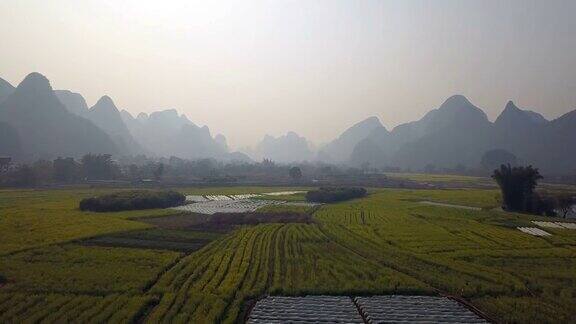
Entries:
{"x":295,"y":173}
{"x":335,"y":194}
{"x":159,"y":171}
{"x":564,"y":204}
{"x":66,"y":169}
{"x":133,"y":200}
{"x":22,"y":176}
{"x":517,"y":185}
{"x":99,"y":167}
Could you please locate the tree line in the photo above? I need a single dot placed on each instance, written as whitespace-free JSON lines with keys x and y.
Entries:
{"x":518,"y":187}
{"x":102,"y":167}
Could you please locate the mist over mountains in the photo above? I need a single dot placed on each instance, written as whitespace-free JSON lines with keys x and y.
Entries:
{"x":38,"y":122}
{"x":457,"y":134}
{"x":42,"y":126}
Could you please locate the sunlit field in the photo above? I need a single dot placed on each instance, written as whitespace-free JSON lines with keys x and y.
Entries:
{"x":60,"y":264}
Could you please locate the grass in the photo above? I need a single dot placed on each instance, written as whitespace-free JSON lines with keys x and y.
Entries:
{"x":385,"y":243}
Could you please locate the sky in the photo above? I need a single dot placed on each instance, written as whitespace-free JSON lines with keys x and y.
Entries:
{"x":250,"y":68}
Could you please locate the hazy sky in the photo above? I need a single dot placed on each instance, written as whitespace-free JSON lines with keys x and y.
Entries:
{"x":247,"y":68}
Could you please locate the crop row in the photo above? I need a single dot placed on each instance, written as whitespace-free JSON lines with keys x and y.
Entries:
{"x":56,"y":308}
{"x":292,"y":259}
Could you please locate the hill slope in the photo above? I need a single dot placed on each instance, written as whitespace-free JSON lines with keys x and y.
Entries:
{"x":45,"y":127}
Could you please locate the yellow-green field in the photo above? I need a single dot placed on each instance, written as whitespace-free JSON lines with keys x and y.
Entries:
{"x":385,"y":243}
{"x":425,"y":177}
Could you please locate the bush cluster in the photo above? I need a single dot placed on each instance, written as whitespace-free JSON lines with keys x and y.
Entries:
{"x":133,"y":200}
{"x":334,"y":194}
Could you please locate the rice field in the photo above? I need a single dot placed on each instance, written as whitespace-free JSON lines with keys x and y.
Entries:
{"x":385,"y":244}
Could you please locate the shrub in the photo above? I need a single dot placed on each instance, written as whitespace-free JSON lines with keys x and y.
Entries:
{"x":133,"y":200}
{"x":326,"y":195}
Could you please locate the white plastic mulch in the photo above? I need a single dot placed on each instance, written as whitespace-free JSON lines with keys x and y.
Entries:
{"x":226,"y":206}
{"x":194,"y":199}
{"x":218,"y":197}
{"x":245,"y":196}
{"x":569,"y":225}
{"x":309,"y":309}
{"x":198,"y":198}
{"x":374,"y":309}
{"x":283,"y":193}
{"x":534,"y":231}
{"x":211,"y":204}
{"x":555,"y":224}
{"x":414,"y":309}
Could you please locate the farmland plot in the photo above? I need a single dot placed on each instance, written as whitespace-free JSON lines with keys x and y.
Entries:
{"x":225,"y":206}
{"x":235,"y":206}
{"x":386,"y":243}
{"x":79,"y":269}
{"x":414,"y":309}
{"x":534,"y":231}
{"x":555,"y":224}
{"x":196,"y":198}
{"x":309,"y":309}
{"x":59,"y":308}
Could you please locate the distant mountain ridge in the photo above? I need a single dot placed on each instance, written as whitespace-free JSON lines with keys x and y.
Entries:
{"x":287,"y":148}
{"x":38,"y":122}
{"x":459,"y":133}
{"x":167,"y":133}
{"x":6,"y":89}
{"x":74,"y":102}
{"x":44,"y":126}
{"x":340,"y":149}
{"x":106,"y":115}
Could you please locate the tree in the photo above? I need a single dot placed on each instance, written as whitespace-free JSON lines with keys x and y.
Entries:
{"x":295,"y":173}
{"x":43,"y":171}
{"x":158,"y":172}
{"x":564,"y":204}
{"x":495,"y":158}
{"x":517,"y":185}
{"x":65,"y":169}
{"x":23,"y":176}
{"x":133,"y":172}
{"x":98,"y":166}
